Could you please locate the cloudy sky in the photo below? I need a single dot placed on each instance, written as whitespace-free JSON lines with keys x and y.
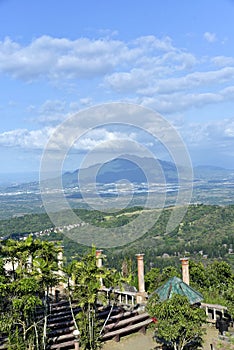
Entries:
{"x":57,"y":58}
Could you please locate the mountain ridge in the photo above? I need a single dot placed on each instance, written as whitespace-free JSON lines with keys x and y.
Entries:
{"x":134,"y":169}
{"x":114,"y":170}
{"x":125,"y":167}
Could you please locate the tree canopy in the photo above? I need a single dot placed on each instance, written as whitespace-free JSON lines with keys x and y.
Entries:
{"x":178,"y":323}
{"x":24,"y":289}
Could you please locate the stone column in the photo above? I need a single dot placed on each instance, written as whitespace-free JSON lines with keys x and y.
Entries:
{"x":60,"y":260}
{"x":99,"y":262}
{"x":140,"y":268}
{"x":141,"y":295}
{"x":185,"y":270}
{"x":59,"y":288}
{"x":99,"y":257}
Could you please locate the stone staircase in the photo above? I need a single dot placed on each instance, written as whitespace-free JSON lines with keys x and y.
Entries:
{"x":61,"y":325}
{"x":121,"y":322}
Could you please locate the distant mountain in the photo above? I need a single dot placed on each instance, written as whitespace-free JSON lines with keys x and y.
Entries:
{"x":211,"y":185}
{"x":15,"y":179}
{"x":132,"y":168}
{"x":210,"y":173}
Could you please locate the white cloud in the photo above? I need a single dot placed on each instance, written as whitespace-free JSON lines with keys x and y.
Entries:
{"x":197,"y":79}
{"x":223,"y":61}
{"x":147,"y":70}
{"x":26,"y":139}
{"x":104,"y":140}
{"x":179,"y":101}
{"x":152,"y":43}
{"x":210,"y":37}
{"x":86,"y":101}
{"x":101,"y":138}
{"x":218,"y":135}
{"x":51,"y":112}
{"x":214,"y":135}
{"x":52,"y":106}
{"x":148,"y":82}
{"x":107,"y":127}
{"x":53,"y":58}
{"x":128,"y":81}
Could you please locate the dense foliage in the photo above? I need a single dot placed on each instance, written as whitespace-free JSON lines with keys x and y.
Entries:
{"x":178,"y":323}
{"x":206,"y":232}
{"x":88,"y":279}
{"x":215,"y":281}
{"x":24,"y":289}
{"x":205,"y":235}
{"x":32,"y":269}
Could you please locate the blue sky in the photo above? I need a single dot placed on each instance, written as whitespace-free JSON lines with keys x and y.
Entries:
{"x":59,"y":57}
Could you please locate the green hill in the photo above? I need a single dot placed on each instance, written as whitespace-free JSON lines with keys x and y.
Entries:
{"x":206,"y":232}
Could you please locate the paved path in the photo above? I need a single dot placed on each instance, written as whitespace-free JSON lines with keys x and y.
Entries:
{"x":140,"y":341}
{"x":136,"y":341}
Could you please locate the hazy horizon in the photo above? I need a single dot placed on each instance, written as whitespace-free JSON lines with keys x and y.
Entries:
{"x":11,"y":178}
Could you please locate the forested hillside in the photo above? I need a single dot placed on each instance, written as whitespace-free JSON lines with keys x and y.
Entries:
{"x":206,"y":232}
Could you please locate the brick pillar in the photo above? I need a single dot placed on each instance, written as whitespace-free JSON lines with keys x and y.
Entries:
{"x":185,"y":270}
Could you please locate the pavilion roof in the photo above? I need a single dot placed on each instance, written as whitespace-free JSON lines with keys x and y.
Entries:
{"x":176,"y":286}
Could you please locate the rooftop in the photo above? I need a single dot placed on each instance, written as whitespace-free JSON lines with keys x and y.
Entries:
{"x":176,"y":286}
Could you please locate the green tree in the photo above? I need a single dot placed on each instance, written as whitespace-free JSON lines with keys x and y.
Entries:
{"x":21,"y":293}
{"x":88,"y":277}
{"x":154,"y":278}
{"x":215,"y":281}
{"x":219,"y":275}
{"x":19,"y":300}
{"x":197,"y":273}
{"x":179,"y":324}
